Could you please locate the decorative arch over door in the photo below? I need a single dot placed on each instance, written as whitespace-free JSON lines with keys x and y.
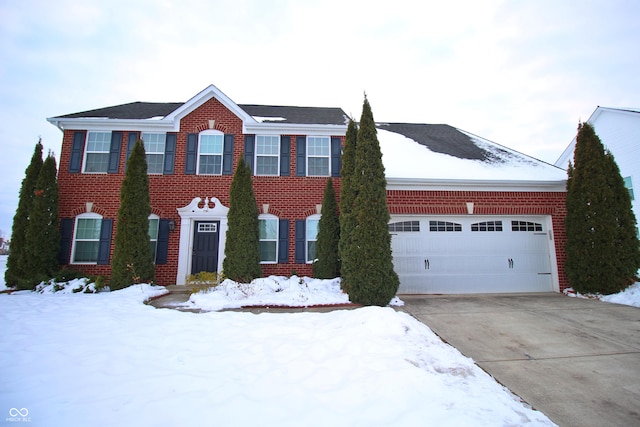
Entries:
{"x":211,"y":210}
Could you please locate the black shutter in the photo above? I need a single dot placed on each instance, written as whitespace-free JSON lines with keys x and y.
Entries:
{"x":227,"y":155}
{"x":300,"y":241}
{"x":104,"y":247}
{"x":162,"y":245}
{"x":66,"y":236}
{"x":192,"y":150}
{"x":283,"y":241}
{"x":336,"y":156}
{"x":169,"y":153}
{"x":301,"y":156}
{"x":133,"y":138}
{"x":249,"y":150}
{"x":114,"y":152}
{"x":285,"y":156}
{"x":75,"y":162}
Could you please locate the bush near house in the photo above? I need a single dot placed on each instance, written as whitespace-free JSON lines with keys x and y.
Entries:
{"x":327,"y":265}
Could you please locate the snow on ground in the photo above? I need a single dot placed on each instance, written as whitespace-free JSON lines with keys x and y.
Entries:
{"x":108,"y":359}
{"x":630,"y":296}
{"x":272,"y":291}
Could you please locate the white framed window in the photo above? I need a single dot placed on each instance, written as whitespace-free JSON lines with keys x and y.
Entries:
{"x":210,"y":147}
{"x":268,"y":225}
{"x":318,"y":156}
{"x":267,"y":155}
{"x":154,"y":226}
{"x":96,"y":153}
{"x":311,"y":238}
{"x":154,"y":148}
{"x":86,"y":238}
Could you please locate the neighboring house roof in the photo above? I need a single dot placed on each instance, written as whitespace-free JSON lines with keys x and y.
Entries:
{"x":261,"y":113}
{"x":437,"y":152}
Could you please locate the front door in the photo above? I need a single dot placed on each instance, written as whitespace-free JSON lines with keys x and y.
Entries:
{"x":205,"y":246}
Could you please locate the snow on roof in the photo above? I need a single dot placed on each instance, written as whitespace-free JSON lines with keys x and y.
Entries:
{"x":262,"y":119}
{"x":404,"y":157}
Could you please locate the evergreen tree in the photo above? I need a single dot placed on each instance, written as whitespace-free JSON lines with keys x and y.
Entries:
{"x":42,"y":238}
{"x":603,"y":252}
{"x":347,"y":197}
{"x":327,"y":265}
{"x":372,"y":280}
{"x":132,"y":255}
{"x":242,"y":246}
{"x":13,"y":274}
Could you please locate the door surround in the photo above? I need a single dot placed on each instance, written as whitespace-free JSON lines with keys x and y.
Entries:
{"x":210,"y":210}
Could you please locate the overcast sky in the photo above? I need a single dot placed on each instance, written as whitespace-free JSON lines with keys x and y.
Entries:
{"x":520,"y":73}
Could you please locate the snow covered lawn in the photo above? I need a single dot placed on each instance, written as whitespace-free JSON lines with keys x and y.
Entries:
{"x":107,"y":359}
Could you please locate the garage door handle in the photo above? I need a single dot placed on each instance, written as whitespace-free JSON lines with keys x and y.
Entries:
{"x":510,"y":262}
{"x":426,"y":264}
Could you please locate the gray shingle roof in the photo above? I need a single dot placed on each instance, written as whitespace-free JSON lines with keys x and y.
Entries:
{"x":280,"y":114}
{"x":133,"y":110}
{"x":306,"y":115}
{"x":443,"y":139}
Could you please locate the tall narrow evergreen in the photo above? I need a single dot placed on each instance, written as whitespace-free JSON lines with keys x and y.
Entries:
{"x":13,"y":274}
{"x":603,"y":253}
{"x":42,"y":240}
{"x":132,"y":255}
{"x":242,"y":246}
{"x":372,"y":279}
{"x":347,"y":197}
{"x":327,"y":265}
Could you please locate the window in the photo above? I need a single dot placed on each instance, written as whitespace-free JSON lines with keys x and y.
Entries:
{"x":154,"y":148}
{"x":312,"y":236}
{"x":210,"y":153}
{"x":86,"y":241}
{"x":487,"y":226}
{"x":318,"y":156}
{"x":628,"y":183}
{"x":404,"y":226}
{"x":268,"y":225}
{"x":525,"y":226}
{"x":267,"y":155}
{"x":97,"y":152}
{"x":444,"y":226}
{"x":154,"y":224}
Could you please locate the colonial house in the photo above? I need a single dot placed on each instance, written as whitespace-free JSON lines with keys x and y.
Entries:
{"x":619,"y":131}
{"x":468,"y":215}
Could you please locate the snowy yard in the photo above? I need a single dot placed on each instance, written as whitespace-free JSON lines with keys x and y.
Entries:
{"x":107,"y":359}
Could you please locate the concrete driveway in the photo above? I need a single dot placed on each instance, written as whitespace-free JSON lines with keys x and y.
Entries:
{"x":576,"y":360}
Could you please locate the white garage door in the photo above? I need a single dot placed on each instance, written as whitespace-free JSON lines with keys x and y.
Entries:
{"x":453,"y":255}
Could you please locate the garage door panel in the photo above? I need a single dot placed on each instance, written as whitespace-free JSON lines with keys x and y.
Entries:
{"x":480,"y":256}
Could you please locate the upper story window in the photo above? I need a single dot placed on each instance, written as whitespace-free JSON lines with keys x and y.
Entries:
{"x":318,"y":156}
{"x":267,"y":155}
{"x":268,"y":225}
{"x":154,"y":146}
{"x":96,"y":155}
{"x":210,"y":148}
{"x":86,"y":240}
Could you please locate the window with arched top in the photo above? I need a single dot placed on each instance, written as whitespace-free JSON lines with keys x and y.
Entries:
{"x":210,"y":150}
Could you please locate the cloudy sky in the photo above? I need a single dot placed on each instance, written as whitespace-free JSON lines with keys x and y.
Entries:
{"x":520,"y":73}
